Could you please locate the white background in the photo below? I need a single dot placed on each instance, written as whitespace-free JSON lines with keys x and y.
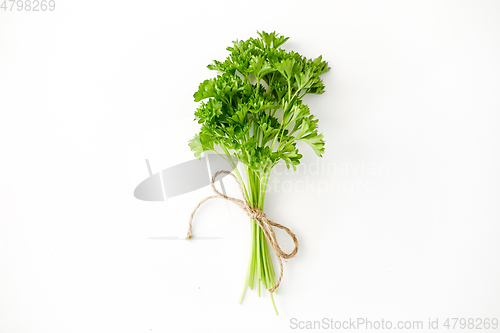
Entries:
{"x":402,"y":225}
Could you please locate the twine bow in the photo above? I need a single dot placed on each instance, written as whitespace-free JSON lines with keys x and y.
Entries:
{"x":256,"y":214}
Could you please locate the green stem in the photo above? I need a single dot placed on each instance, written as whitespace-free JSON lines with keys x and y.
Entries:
{"x":260,"y":268}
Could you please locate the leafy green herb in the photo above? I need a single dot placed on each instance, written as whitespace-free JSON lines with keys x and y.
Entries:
{"x":253,"y":109}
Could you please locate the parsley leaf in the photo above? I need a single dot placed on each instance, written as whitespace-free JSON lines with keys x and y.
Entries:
{"x":254,"y":107}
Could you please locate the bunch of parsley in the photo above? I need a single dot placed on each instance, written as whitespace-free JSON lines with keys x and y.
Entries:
{"x":253,"y":109}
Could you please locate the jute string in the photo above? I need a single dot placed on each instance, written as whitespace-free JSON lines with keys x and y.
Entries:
{"x":256,"y":214}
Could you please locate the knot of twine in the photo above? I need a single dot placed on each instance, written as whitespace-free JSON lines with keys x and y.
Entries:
{"x":256,"y":214}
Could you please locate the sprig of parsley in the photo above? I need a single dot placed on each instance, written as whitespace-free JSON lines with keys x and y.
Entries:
{"x":254,"y":110}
